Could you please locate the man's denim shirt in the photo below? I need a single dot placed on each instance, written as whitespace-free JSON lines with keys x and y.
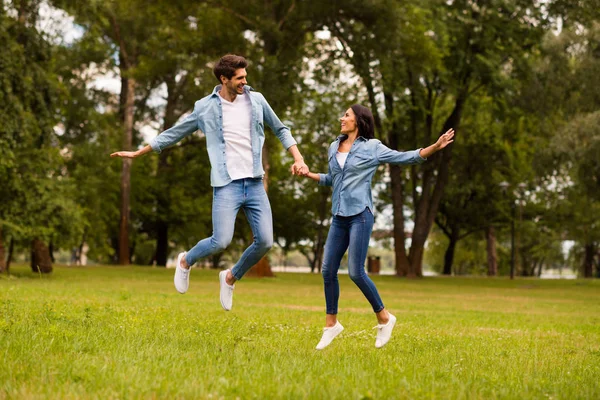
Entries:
{"x":352,"y":184}
{"x":208,"y":117}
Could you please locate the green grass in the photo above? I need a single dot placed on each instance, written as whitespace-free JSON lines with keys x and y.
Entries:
{"x":111,"y":332}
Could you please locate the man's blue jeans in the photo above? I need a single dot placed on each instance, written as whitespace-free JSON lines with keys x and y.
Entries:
{"x":351,"y":233}
{"x":249,"y":195}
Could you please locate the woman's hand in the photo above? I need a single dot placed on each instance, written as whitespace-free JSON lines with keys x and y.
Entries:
{"x":445,"y":139}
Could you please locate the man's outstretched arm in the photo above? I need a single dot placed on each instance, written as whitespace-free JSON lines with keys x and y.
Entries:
{"x":167,"y":138}
{"x":132,"y":154}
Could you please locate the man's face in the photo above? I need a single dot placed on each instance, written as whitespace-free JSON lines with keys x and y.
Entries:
{"x":235,"y":85}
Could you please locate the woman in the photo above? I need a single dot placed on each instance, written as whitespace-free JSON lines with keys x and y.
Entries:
{"x":353,"y":160}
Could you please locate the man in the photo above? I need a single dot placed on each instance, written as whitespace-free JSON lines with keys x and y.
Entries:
{"x":232,"y":118}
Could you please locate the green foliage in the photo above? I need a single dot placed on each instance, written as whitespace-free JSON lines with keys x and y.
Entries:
{"x":469,"y":259}
{"x":36,"y":193}
{"x":524,"y":96}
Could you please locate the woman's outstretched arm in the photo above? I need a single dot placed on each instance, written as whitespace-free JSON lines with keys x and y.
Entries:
{"x":313,"y":176}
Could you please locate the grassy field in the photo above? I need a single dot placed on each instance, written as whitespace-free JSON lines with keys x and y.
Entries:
{"x":110,"y":332}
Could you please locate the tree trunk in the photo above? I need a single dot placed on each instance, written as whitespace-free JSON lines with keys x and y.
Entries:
{"x":588,"y":261}
{"x":402,"y":264}
{"x":216,"y":260}
{"x":40,"y":257}
{"x":321,"y":236}
{"x":127,"y":99}
{"x":540,"y":268}
{"x":2,"y":253}
{"x":80,"y":249}
{"x":162,"y":204}
{"x":450,"y":250}
{"x":429,"y":202}
{"x":51,"y":251}
{"x":10,"y":254}
{"x":262,"y":269}
{"x":162,"y":209}
{"x":162,"y":243}
{"x":492,"y":257}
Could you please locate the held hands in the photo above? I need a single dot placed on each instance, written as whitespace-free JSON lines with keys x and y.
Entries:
{"x":445,"y":139}
{"x":299,"y":168}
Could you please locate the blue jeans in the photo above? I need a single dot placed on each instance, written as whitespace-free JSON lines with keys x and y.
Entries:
{"x":351,"y":233}
{"x":248,"y":194}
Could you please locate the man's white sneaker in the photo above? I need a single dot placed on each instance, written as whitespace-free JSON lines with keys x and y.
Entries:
{"x":384,"y":332}
{"x":329,"y":334}
{"x":226,"y":291}
{"x":182,"y":276}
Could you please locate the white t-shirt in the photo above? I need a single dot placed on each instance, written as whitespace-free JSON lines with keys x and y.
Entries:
{"x":237,"y":120}
{"x":341,"y":158}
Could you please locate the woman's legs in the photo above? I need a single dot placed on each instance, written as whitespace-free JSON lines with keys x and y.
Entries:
{"x":335,"y":247}
{"x":360,"y":233}
{"x":361,"y":227}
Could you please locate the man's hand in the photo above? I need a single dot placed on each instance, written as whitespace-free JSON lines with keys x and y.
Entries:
{"x":299,"y":168}
{"x":125,"y":154}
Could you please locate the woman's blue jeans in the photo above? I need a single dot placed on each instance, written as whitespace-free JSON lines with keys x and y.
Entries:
{"x":352,"y":234}
{"x":249,"y":195}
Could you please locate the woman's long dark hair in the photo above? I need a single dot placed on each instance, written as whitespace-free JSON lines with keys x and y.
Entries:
{"x":364,"y":121}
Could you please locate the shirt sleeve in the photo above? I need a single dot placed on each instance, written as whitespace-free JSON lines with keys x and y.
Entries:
{"x":176,"y":133}
{"x":325,"y":179}
{"x":385,"y":155}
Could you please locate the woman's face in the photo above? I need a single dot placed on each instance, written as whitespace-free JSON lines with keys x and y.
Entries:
{"x":348,"y":122}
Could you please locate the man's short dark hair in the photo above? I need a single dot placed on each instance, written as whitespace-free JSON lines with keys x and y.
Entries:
{"x":227,"y":66}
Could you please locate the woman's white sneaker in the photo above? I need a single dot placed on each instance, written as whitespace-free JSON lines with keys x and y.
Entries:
{"x":329,"y":334}
{"x":384,"y":332}
{"x":182,"y":276}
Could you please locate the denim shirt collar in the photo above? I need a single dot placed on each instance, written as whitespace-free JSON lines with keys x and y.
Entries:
{"x":217,"y":89}
{"x":339,"y":138}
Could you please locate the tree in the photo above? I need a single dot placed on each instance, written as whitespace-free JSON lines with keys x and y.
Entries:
{"x":126,"y":26}
{"x":426,"y":61}
{"x":36,"y":207}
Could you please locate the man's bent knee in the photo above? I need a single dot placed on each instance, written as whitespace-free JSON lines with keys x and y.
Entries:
{"x":220,"y":244}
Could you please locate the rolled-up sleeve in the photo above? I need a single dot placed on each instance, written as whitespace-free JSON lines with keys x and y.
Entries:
{"x":176,"y":133}
{"x":385,"y":155}
{"x":325,"y":179}
{"x":281,"y":131}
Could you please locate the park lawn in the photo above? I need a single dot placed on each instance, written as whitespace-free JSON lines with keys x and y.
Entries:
{"x":124,"y":332}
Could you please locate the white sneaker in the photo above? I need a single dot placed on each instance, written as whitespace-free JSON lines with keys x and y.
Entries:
{"x":384,"y":332}
{"x":182,"y":276}
{"x":226,"y":291}
{"x":329,"y":334}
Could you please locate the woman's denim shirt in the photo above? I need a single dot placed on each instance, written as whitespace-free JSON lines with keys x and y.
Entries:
{"x":352,"y":184}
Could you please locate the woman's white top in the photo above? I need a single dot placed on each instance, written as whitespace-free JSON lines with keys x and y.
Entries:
{"x":341,"y":158}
